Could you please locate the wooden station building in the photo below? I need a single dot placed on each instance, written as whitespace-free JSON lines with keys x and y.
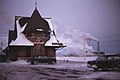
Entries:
{"x":32,"y":36}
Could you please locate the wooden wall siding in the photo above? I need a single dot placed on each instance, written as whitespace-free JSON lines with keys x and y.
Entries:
{"x":33,"y":51}
{"x":38,"y":49}
{"x":29,"y":51}
{"x":22,"y":52}
{"x":39,"y":40}
{"x":43,"y":50}
{"x":12,"y":53}
{"x":51,"y":52}
{"x":35,"y":37}
{"x":19,"y":52}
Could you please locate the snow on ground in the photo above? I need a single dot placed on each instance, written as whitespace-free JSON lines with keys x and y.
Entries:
{"x":77,"y":59}
{"x":20,"y":62}
{"x":62,"y":62}
{"x":21,"y":70}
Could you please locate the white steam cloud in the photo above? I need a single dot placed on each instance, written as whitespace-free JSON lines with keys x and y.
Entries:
{"x":73,"y":38}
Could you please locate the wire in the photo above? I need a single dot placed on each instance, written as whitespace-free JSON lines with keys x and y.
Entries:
{"x":114,"y":35}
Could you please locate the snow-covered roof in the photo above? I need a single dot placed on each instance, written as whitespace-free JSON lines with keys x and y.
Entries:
{"x":21,"y":40}
{"x":52,"y":41}
{"x":50,"y":23}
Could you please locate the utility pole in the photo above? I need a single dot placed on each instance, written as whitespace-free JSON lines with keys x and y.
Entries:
{"x":98,"y":47}
{"x":0,"y":43}
{"x":85,"y":51}
{"x":1,"y":46}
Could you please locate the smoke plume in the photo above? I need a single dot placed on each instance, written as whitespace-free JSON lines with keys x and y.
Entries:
{"x":73,"y":38}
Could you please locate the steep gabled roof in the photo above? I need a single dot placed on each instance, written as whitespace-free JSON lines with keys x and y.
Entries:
{"x":21,"y":40}
{"x":36,"y":22}
{"x":23,"y":21}
{"x":13,"y":33}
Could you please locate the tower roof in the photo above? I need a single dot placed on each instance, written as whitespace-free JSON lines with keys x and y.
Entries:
{"x":36,"y":22}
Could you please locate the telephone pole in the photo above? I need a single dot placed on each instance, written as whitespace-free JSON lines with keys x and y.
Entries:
{"x":85,"y":51}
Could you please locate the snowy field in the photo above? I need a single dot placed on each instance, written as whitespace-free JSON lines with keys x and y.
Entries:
{"x":77,"y":59}
{"x":21,"y":70}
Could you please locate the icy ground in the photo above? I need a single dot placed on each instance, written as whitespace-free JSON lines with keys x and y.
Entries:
{"x":21,"y":70}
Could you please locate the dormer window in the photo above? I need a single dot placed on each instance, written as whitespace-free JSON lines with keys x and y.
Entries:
{"x":39,"y":29}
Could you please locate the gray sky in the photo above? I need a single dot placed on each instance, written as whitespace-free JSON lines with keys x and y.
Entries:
{"x":101,"y":18}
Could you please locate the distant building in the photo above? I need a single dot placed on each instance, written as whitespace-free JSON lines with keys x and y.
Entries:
{"x":32,"y":36}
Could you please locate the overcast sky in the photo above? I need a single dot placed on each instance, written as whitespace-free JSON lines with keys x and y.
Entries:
{"x":101,"y":18}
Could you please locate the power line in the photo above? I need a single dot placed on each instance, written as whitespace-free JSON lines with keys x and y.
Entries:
{"x":114,"y":35}
{"x":111,"y":41}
